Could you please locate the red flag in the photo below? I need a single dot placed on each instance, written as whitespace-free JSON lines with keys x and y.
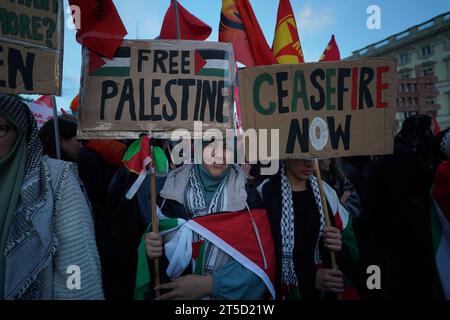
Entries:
{"x":45,"y":100}
{"x":245,"y":236}
{"x":191,"y":28}
{"x":231,"y":29}
{"x":262,"y":55}
{"x":101,"y":29}
{"x":239,"y":26}
{"x":286,"y":43}
{"x":74,"y":104}
{"x":331,"y":52}
{"x":42,"y":109}
{"x":437,"y":128}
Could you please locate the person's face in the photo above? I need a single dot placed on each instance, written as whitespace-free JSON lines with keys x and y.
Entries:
{"x":217,"y":158}
{"x":8,"y":135}
{"x":71,"y":148}
{"x":300,"y":169}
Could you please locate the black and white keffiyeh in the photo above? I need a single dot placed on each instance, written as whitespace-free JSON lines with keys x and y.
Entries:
{"x":288,"y":276}
{"x":26,"y":122}
{"x":196,"y":205}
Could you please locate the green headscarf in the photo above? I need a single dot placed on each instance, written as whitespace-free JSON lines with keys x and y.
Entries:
{"x":208,"y":182}
{"x":12,"y":168}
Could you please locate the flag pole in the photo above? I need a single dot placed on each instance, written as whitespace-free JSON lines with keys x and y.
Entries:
{"x":56,"y":127}
{"x":177,"y":19}
{"x":325,"y":212}
{"x":155,"y":223}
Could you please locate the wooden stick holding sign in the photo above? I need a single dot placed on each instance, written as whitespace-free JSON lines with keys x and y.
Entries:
{"x":155,"y":225}
{"x":177,"y":20}
{"x":325,"y":213}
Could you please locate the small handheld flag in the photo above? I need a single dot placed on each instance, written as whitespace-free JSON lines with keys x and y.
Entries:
{"x":136,"y":159}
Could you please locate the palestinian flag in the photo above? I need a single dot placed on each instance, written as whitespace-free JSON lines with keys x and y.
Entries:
{"x":136,"y":159}
{"x":211,"y":63}
{"x":119,"y":66}
{"x":245,"y":236}
{"x":331,"y":52}
{"x":343,"y":222}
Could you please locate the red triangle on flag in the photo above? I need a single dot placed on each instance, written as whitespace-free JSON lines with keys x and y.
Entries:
{"x":95,"y":61}
{"x":199,"y":62}
{"x":191,"y":28}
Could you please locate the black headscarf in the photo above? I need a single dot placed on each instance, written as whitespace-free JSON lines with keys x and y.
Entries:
{"x":416,"y":134}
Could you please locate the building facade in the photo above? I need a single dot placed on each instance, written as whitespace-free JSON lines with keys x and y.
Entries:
{"x":423,"y":67}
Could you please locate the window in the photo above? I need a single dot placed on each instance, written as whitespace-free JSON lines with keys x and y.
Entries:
{"x":404,"y":76}
{"x":426,"y":51}
{"x":404,"y":58}
{"x":428,"y":71}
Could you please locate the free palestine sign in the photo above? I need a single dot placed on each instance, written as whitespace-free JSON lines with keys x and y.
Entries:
{"x":158,"y":86}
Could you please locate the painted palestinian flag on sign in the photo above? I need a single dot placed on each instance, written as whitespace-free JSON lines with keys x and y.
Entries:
{"x":211,"y":63}
{"x":119,"y":66}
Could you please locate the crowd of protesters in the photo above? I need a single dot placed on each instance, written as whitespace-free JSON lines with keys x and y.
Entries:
{"x":74,"y":212}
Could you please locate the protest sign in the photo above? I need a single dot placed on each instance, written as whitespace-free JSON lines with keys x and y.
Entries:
{"x":31,"y":46}
{"x":158,"y":86}
{"x":327,"y":109}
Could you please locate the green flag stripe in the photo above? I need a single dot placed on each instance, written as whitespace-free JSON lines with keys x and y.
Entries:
{"x":112,"y":72}
{"x":168,"y":224}
{"x":142,"y":274}
{"x":199,"y":262}
{"x":214,"y":72}
{"x":134,"y":149}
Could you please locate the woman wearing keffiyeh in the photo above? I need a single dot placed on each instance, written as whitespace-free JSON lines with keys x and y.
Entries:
{"x":196,"y":191}
{"x":45,"y":222}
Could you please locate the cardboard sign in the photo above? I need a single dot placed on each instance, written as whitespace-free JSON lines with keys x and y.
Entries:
{"x":328,"y":109}
{"x":31,"y":46}
{"x":158,"y":86}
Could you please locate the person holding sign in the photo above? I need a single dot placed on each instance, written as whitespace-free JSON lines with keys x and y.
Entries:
{"x":47,"y":239}
{"x":302,"y":240}
{"x":204,"y":207}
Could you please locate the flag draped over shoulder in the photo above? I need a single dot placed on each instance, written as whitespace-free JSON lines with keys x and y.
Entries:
{"x":331,"y":52}
{"x":286,"y":43}
{"x":136,"y":159}
{"x":245,"y":236}
{"x":101,"y":29}
{"x":191,"y":28}
{"x":238,"y":25}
